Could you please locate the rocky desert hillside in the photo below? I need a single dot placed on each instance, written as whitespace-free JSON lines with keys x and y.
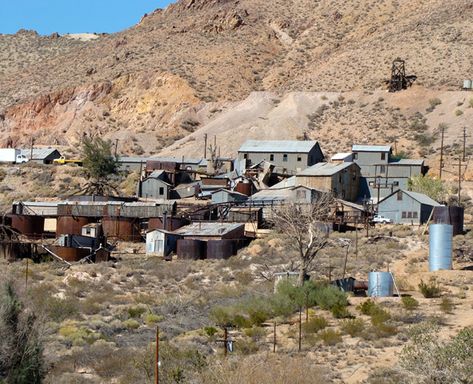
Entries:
{"x":186,"y":68}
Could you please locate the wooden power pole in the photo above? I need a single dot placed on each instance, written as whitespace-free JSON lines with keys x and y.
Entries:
{"x":459,"y":180}
{"x":441,"y":151}
{"x":156,"y":374}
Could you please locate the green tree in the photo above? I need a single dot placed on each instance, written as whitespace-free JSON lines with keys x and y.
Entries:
{"x":100,"y":165}
{"x":21,"y":350}
{"x":429,"y":186}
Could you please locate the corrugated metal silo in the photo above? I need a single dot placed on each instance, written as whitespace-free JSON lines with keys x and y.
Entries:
{"x":191,"y":249}
{"x":380,"y":284}
{"x":440,"y":247}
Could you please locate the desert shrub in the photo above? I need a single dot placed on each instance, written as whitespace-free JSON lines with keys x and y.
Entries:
{"x":447,"y":305}
{"x":430,"y":289}
{"x":134,"y":312}
{"x":367,"y":307}
{"x":433,"y":103}
{"x":210,"y":331}
{"x":458,"y":112}
{"x":57,"y":309}
{"x":409,"y":303}
{"x":329,"y":296}
{"x":330,"y":337}
{"x":341,"y":312}
{"x":131,"y":324}
{"x":433,"y":360}
{"x":315,"y":325}
{"x":256,"y":333}
{"x":352,"y":327}
{"x":246,"y":347}
{"x":151,"y":318}
{"x":78,"y":335}
{"x":21,"y":347}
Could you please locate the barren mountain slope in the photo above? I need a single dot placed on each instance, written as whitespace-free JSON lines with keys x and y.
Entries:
{"x":161,"y":78}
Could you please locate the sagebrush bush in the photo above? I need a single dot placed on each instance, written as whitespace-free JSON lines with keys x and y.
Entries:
{"x":447,"y":305}
{"x":330,"y":336}
{"x":329,"y":297}
{"x":409,"y":303}
{"x":430,"y":289}
{"x":315,"y":324}
{"x":352,"y":327}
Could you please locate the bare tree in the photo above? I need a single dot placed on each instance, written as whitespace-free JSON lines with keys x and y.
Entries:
{"x":302,"y":227}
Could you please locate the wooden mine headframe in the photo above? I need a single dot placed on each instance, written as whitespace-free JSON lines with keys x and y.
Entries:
{"x":399,"y":79}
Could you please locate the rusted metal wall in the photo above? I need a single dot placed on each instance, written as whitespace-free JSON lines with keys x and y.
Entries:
{"x":71,"y":225}
{"x":70,"y":254}
{"x":191,"y":249}
{"x":450,"y":215}
{"x":172,"y":223}
{"x":221,"y":249}
{"x":121,"y":228}
{"x":31,"y":226}
{"x":245,"y":188}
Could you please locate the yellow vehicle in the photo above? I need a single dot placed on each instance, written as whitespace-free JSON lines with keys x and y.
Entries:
{"x":62,"y":160}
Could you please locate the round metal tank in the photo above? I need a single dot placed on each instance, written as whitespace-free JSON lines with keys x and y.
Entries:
{"x":191,"y":249}
{"x":467,"y":84}
{"x":220,"y":249}
{"x":29,"y":225}
{"x":380,"y":284}
{"x":450,"y":215}
{"x":440,"y":247}
{"x":121,"y":228}
{"x":172,"y":223}
{"x":244,"y":188}
{"x":71,"y":225}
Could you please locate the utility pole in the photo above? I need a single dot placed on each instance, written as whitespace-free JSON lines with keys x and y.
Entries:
{"x":441,"y":151}
{"x":156,"y":374}
{"x":300,"y":329}
{"x":31,"y":149}
{"x":225,"y":341}
{"x":459,"y":180}
{"x":464,"y":144}
{"x":116,"y":148}
{"x":205,"y":146}
{"x":274,"y":338}
{"x":356,"y":238}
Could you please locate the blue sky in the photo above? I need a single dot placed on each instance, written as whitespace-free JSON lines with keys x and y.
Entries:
{"x":73,"y":16}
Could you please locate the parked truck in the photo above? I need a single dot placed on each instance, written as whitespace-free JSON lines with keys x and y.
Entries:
{"x":63,"y":160}
{"x":12,"y":156}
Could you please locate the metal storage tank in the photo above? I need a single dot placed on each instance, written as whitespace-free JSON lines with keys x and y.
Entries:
{"x":191,"y":249}
{"x":69,"y":254}
{"x":29,"y":225}
{"x":440,"y":247}
{"x":450,"y":215}
{"x":71,"y":225}
{"x":168,"y":224}
{"x":380,"y":284}
{"x":221,"y":249}
{"x":467,"y":84}
{"x":244,"y":188}
{"x":122,"y":228}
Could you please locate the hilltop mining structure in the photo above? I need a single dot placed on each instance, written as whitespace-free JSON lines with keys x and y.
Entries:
{"x":399,"y":80}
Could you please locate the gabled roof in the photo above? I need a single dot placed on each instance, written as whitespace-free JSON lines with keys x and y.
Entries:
{"x":278,"y":146}
{"x":289,"y":182}
{"x":341,"y":156}
{"x":371,"y":148}
{"x":233,"y":193}
{"x":325,"y":169}
{"x":158,"y":175}
{"x":419,"y":197}
{"x":407,"y":162}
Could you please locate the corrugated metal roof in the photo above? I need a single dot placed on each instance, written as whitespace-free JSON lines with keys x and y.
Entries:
{"x":407,"y":162}
{"x":419,"y":197}
{"x":284,"y":146}
{"x":38,"y":153}
{"x":341,"y":156}
{"x":370,"y":148}
{"x":136,"y":159}
{"x":289,"y":182}
{"x":324,"y":169}
{"x":208,"y":229}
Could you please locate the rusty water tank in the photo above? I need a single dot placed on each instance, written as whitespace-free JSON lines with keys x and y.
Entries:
{"x":244,"y":188}
{"x":450,"y":215}
{"x":28,"y":225}
{"x":221,"y":249}
{"x":191,"y":249}
{"x":71,"y":225}
{"x":168,"y":224}
{"x":122,"y":228}
{"x":70,"y":254}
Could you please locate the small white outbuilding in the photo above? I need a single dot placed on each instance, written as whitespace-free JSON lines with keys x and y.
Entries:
{"x":161,"y":243}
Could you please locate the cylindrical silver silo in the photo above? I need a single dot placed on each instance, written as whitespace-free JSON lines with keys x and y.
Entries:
{"x":380,"y":284}
{"x":440,"y":247}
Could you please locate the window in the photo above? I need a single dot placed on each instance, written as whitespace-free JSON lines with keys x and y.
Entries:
{"x":355,"y":156}
{"x":299,"y":158}
{"x":301,"y":194}
{"x":284,"y":157}
{"x":404,"y":215}
{"x":399,"y":195}
{"x":161,"y":191}
{"x":383,"y":156}
{"x":382,"y":169}
{"x":271,"y":157}
{"x":245,"y":156}
{"x":409,"y":215}
{"x":414,"y":215}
